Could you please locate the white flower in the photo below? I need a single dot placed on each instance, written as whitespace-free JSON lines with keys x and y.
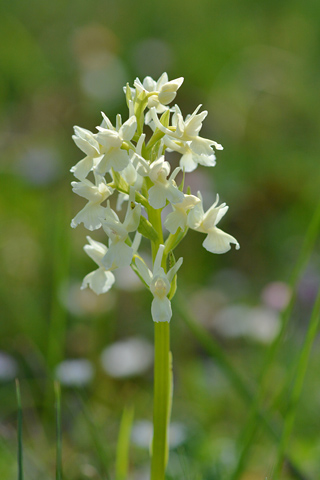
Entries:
{"x":100,"y":280}
{"x":119,"y":253}
{"x":178,"y":218}
{"x":87,"y":142}
{"x":112,"y":140}
{"x":161,"y":92}
{"x":74,"y":373}
{"x":216,"y":241}
{"x":163,"y":189}
{"x":130,"y":174}
{"x":91,"y":214}
{"x":185,"y":139}
{"x":159,"y":283}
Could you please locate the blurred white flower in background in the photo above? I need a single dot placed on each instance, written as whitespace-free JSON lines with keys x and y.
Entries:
{"x":75,"y":372}
{"x":241,"y":321}
{"x":82,"y":302}
{"x":127,"y":358}
{"x":141,"y":434}
{"x":8,"y":367}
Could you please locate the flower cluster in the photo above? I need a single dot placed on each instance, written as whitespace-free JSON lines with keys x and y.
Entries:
{"x":120,"y":165}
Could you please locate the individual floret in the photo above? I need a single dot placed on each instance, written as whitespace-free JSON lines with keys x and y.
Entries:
{"x":159,"y":283}
{"x":216,"y":241}
{"x":120,"y":253}
{"x":112,"y":140}
{"x":92,"y":213}
{"x":100,"y":280}
{"x":184,"y":138}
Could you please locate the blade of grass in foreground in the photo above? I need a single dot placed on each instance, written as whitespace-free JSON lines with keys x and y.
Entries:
{"x":20,"y":447}
{"x":248,"y":433}
{"x":298,"y":384}
{"x":239,"y":384}
{"x":122,"y":456}
{"x":57,"y":391}
{"x":99,"y":444}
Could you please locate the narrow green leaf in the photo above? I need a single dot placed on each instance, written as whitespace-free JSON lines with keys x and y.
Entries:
{"x":57,"y":391}
{"x":240,"y":385}
{"x":97,"y":437}
{"x":122,"y":456}
{"x":247,"y":436}
{"x":20,"y":446}
{"x":301,"y":369}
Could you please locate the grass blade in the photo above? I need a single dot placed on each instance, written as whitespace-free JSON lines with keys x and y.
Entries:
{"x":239,"y":384}
{"x":57,"y":391}
{"x":251,"y":425}
{"x":298,"y":384}
{"x":122,"y":456}
{"x":20,"y":447}
{"x":102,"y":454}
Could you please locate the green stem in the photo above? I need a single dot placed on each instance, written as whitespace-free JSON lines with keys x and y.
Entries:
{"x":162,"y":400}
{"x":155,"y":220}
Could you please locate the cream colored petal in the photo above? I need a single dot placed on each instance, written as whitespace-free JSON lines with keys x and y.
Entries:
{"x":174,"y":269}
{"x":128,"y":129}
{"x":91,"y":216}
{"x":95,"y":250}
{"x":187,"y":162}
{"x":119,"y":255}
{"x":157,"y":196}
{"x":161,"y":309}
{"x":174,"y":220}
{"x":100,"y":281}
{"x":144,"y":271}
{"x":218,"y":241}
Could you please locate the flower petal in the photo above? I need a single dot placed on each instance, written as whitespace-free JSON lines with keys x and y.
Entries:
{"x":95,"y":250}
{"x":175,"y":219}
{"x":82,"y":168}
{"x":161,"y":309}
{"x":218,"y":241}
{"x":157,"y":196}
{"x":119,"y":255}
{"x":173,"y":270}
{"x":144,"y":271}
{"x":100,"y":281}
{"x":128,"y":129}
{"x":90,"y":216}
{"x":187,"y":162}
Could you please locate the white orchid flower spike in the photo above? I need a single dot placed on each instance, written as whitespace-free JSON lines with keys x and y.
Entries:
{"x":159,"y":283}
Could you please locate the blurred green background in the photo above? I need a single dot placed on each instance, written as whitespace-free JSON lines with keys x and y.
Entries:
{"x":255,"y":67}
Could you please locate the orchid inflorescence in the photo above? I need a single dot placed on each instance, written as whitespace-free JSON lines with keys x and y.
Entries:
{"x":119,"y":159}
